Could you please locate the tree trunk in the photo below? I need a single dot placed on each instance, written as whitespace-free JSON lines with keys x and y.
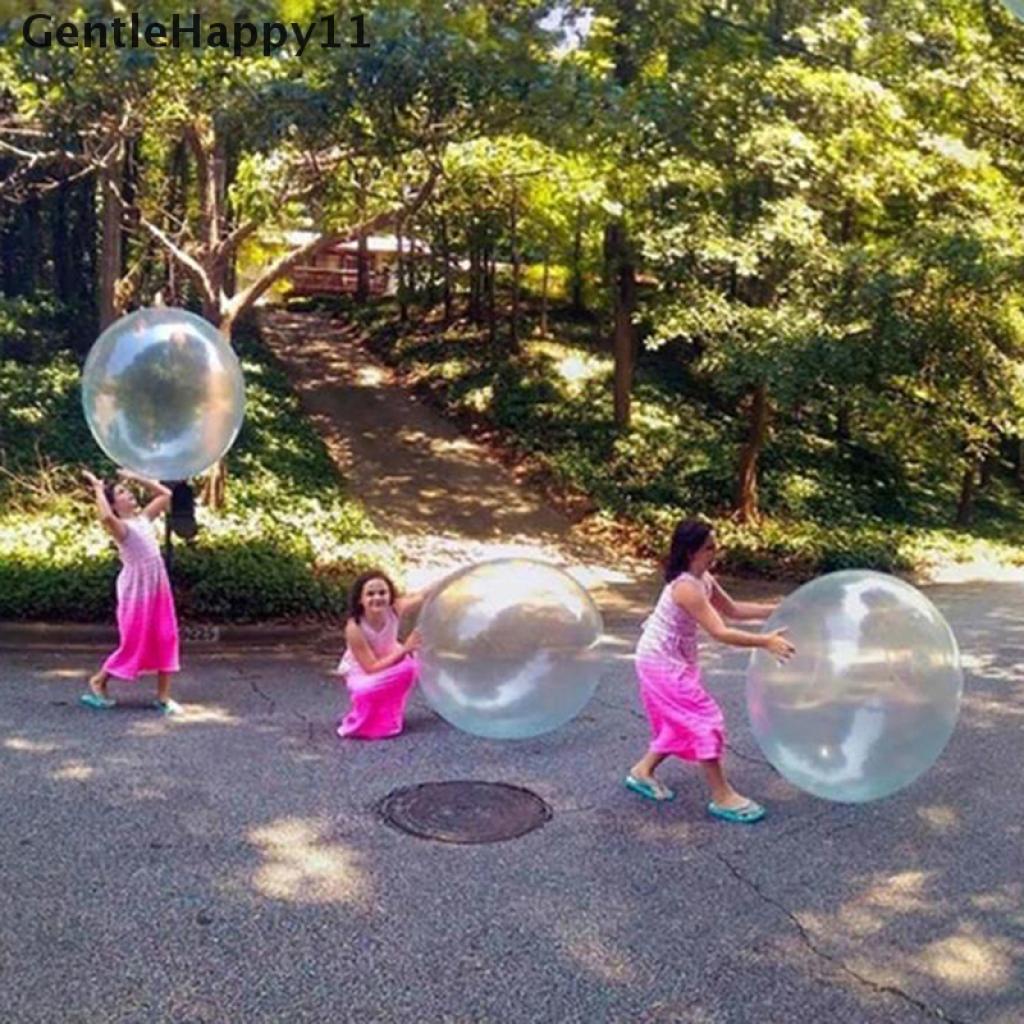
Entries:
{"x":31,"y":251}
{"x":514,"y":316}
{"x":843,"y":421}
{"x":545,"y":280}
{"x":411,"y":269}
{"x":178,"y":177}
{"x":965,"y":506}
{"x":403,"y":298}
{"x":210,"y":154}
{"x":477,"y":275}
{"x":623,"y":280}
{"x":578,"y":308}
{"x":63,"y":253}
{"x":84,"y":263}
{"x":746,"y":498}
{"x":230,"y":174}
{"x":988,"y":469}
{"x":111,"y":239}
{"x":8,"y":256}
{"x":491,"y":264}
{"x":618,"y":250}
{"x":362,"y":268}
{"x":471,"y":303}
{"x":214,"y":488}
{"x":446,"y":270}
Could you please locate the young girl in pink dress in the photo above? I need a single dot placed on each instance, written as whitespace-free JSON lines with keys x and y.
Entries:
{"x":379,"y":671}
{"x":146,"y":619}
{"x":685,"y":720}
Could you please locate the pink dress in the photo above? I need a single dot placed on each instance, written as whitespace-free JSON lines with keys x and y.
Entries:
{"x":146,"y":620}
{"x":685,"y":720}
{"x":378,"y":698}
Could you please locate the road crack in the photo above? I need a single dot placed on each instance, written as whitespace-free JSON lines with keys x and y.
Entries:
{"x":748,"y":757}
{"x":618,"y":707}
{"x":270,"y":700}
{"x":808,"y":941}
{"x":310,"y":725}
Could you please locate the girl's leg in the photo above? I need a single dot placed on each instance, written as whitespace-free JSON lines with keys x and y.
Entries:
{"x":722,"y":792}
{"x":644,"y":768}
{"x":163,"y":695}
{"x":98,"y":684}
{"x":163,"y":687}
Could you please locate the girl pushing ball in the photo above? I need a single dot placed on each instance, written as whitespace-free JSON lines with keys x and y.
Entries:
{"x":379,"y":670}
{"x":685,"y":720}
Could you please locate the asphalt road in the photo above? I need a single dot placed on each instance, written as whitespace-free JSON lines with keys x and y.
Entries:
{"x":231,"y":865}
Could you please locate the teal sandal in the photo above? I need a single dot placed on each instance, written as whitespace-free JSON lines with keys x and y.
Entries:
{"x":168,"y":707}
{"x":96,"y":702}
{"x":652,"y":790}
{"x":745,"y":815}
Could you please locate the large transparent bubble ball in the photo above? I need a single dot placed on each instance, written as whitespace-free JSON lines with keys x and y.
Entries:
{"x":870,"y":698}
{"x":163,"y":393}
{"x":509,"y":649}
{"x":1015,"y":7}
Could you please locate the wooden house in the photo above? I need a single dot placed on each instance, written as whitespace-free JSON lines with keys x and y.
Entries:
{"x":335,"y":270}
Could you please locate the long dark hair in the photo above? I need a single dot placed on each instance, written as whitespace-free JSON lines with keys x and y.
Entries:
{"x":687,"y":539}
{"x":355,"y":595}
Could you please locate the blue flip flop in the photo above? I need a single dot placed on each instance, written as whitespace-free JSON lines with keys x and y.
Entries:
{"x":745,"y":815}
{"x":168,"y":707}
{"x":96,"y":702}
{"x":657,"y":792}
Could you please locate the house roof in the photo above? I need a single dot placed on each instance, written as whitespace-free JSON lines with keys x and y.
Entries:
{"x":375,"y":243}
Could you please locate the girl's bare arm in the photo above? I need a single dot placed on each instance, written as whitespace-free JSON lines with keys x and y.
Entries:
{"x":363,"y":652}
{"x":161,"y":500}
{"x":740,"y":611}
{"x":107,"y":517}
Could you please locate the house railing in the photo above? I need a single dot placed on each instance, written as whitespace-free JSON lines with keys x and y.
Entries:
{"x":334,"y":281}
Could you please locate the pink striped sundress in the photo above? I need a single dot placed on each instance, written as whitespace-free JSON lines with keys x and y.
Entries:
{"x":146,"y":620}
{"x":685,"y":720}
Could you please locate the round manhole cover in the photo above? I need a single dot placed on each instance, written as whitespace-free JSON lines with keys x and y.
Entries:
{"x":465,"y":812}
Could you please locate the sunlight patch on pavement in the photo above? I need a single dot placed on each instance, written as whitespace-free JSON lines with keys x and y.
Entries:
{"x":65,"y":673}
{"x":1007,"y":899}
{"x":871,"y":911}
{"x":942,"y":818}
{"x":24,"y":746}
{"x":304,"y":867}
{"x":970,"y":961}
{"x":194,"y":714}
{"x":595,"y":954}
{"x":73,"y":771}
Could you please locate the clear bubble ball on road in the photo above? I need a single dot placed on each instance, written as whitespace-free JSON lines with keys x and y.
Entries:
{"x":509,"y":649}
{"x":163,"y":393}
{"x":872,"y":695}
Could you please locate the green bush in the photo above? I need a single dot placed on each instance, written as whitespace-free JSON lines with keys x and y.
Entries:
{"x":55,"y":565}
{"x":32,"y":329}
